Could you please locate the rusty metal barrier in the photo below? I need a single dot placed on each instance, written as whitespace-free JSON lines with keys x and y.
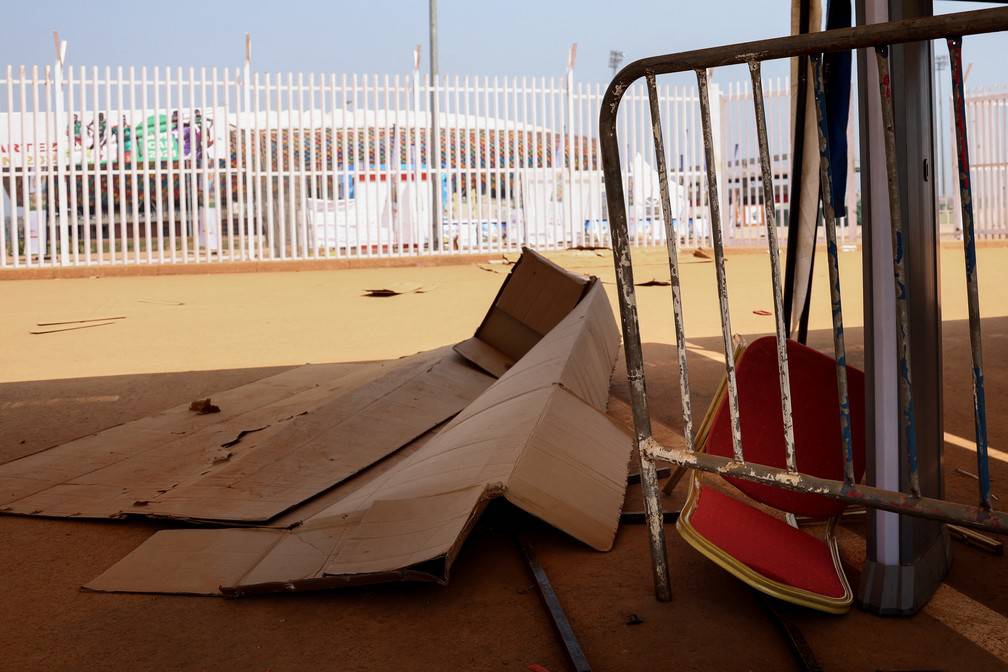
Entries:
{"x":879,"y":37}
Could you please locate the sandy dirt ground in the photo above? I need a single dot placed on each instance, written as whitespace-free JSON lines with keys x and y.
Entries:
{"x":188,"y":336}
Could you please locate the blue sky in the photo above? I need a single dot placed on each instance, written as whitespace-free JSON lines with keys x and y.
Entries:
{"x":518,"y":37}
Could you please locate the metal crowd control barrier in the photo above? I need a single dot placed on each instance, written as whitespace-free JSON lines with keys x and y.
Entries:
{"x":877,"y":36}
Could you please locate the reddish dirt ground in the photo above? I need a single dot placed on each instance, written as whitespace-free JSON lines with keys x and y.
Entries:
{"x":238,"y":328}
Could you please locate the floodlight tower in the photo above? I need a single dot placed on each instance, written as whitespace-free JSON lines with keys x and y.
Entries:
{"x":615,"y":61}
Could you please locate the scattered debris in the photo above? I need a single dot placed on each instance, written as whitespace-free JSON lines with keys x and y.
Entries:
{"x":549,"y":596}
{"x":591,"y":248}
{"x":634,"y":619}
{"x":93,"y":319}
{"x":397,"y":290}
{"x":976,"y":539}
{"x":162,"y":302}
{"x":484,"y":267}
{"x":204,"y":407}
{"x":503,"y":260}
{"x":653,"y":282}
{"x":970,"y":474}
{"x":760,"y":311}
{"x":79,"y":326}
{"x":221,"y":457}
{"x":242,"y":434}
{"x":701,"y":253}
{"x":799,"y":646}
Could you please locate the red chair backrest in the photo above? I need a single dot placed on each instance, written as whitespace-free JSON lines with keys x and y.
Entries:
{"x":816,"y":412}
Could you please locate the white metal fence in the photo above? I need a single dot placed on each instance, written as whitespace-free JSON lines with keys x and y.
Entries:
{"x":172,"y":165}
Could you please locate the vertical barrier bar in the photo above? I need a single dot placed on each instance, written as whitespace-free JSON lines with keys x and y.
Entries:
{"x":183,"y":177}
{"x":259,"y":248}
{"x":471,"y":176}
{"x":226,"y":199}
{"x":210,"y":115}
{"x":272,"y":179}
{"x":719,"y":263}
{"x":355,"y":242}
{"x":4,"y":169}
{"x":289,"y":223}
{"x":172,"y":168}
{"x":249,"y":250}
{"x":328,"y":140}
{"x":158,"y":189}
{"x":85,"y":178}
{"x":631,"y":336}
{"x":11,"y":179}
{"x":771,"y":226}
{"x":839,"y":347}
{"x":346,"y":113}
{"x":204,"y":147}
{"x":25,"y":201}
{"x":143,"y":148}
{"x":972,"y":288}
{"x":302,"y":156}
{"x":673,"y":259}
{"x":129,"y":128}
{"x":69,"y":178}
{"x":52,"y":205}
{"x":312,"y":155}
{"x":36,"y":170}
{"x":370,"y":128}
{"x":906,"y":421}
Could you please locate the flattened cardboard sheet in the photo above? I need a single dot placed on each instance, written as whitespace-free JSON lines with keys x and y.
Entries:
{"x":275,"y":444}
{"x":537,"y":437}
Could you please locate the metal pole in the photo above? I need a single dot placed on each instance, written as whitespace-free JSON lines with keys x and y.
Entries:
{"x":435,"y":131}
{"x":836,"y":308}
{"x":907,"y":423}
{"x":972,"y":285}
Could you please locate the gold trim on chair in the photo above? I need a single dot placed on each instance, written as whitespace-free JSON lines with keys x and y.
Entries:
{"x":758,"y":581}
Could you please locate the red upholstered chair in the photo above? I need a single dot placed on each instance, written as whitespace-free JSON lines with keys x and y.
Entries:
{"x":756,"y":547}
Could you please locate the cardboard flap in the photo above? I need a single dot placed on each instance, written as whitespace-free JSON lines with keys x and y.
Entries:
{"x":572,"y":473}
{"x":484,"y":356}
{"x":404,"y":532}
{"x":535,"y":296}
{"x":196,"y":562}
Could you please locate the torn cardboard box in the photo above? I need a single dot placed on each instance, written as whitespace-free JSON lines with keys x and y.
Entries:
{"x":538,"y":437}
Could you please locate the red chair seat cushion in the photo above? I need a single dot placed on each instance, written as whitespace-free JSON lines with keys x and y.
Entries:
{"x":816,"y":414}
{"x":766,"y":545}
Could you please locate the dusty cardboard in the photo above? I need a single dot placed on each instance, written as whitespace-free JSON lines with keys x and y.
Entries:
{"x":182,"y":465}
{"x":537,"y":437}
{"x":535,"y":296}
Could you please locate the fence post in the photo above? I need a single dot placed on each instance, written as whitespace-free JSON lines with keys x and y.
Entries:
{"x":250,"y":237}
{"x":60,"y":115}
{"x":569,"y":153}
